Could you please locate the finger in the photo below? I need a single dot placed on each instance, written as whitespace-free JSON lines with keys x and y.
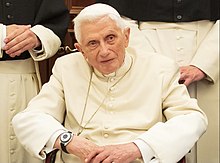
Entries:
{"x":101,"y":157}
{"x":18,"y":51}
{"x":18,"y":31}
{"x":108,"y":160}
{"x":21,"y":45}
{"x":14,"y":44}
{"x":182,"y":69}
{"x":182,"y":77}
{"x":23,"y":38}
{"x":93,"y":154}
{"x":187,"y":82}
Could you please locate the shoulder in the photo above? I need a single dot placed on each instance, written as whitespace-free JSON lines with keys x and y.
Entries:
{"x":71,"y":62}
{"x":156,"y":61}
{"x":72,"y":58}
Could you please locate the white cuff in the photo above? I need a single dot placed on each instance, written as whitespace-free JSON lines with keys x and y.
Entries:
{"x":3,"y":35}
{"x":50,"y":144}
{"x":146,"y":151}
{"x":39,"y":51}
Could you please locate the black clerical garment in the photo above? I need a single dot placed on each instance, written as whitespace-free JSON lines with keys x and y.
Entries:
{"x":52,"y":14}
{"x":167,"y":10}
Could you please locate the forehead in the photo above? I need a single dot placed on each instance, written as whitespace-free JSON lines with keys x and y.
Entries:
{"x":98,"y":26}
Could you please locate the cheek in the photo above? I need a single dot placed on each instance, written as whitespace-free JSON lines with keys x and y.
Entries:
{"x":121,"y":59}
{"x":91,"y":59}
{"x":89,"y":55}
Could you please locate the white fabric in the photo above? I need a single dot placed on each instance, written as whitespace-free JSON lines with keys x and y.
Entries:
{"x":20,"y":81}
{"x":2,"y":37}
{"x":132,"y":107}
{"x":146,"y":152}
{"x":3,"y":34}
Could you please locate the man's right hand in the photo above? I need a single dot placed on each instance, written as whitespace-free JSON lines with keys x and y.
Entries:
{"x":78,"y":146}
{"x":81,"y":147}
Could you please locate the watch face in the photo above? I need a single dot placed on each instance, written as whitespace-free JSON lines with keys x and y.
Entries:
{"x":65,"y":137}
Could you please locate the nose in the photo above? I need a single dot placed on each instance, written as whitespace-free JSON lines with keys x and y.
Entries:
{"x":103,"y":49}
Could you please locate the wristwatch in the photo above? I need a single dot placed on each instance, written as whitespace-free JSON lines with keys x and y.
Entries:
{"x":65,"y":138}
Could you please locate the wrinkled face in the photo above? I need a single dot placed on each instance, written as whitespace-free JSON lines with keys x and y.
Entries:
{"x":103,"y":44}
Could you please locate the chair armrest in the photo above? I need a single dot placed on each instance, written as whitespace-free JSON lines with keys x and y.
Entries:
{"x":183,"y":160}
{"x":51,"y":157}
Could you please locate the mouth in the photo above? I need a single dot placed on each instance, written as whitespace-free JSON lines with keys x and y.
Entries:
{"x":107,"y":61}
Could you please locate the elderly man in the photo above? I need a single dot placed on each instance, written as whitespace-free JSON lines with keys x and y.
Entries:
{"x":105,"y":104}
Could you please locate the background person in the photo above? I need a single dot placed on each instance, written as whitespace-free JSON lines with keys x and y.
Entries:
{"x":30,"y":31}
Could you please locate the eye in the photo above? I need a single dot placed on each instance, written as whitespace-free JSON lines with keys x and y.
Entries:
{"x":92,"y":44}
{"x":111,"y":38}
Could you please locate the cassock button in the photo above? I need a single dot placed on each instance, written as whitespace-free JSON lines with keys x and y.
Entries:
{"x":179,"y":48}
{"x":12,"y":151}
{"x":12,"y":137}
{"x":178,"y":37}
{"x":7,"y":4}
{"x":179,"y":17}
{"x":112,"y":79}
{"x":10,"y":16}
{"x":106,"y":135}
{"x":12,"y":108}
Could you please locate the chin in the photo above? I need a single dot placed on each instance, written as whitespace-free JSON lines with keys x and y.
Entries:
{"x":109,"y":69}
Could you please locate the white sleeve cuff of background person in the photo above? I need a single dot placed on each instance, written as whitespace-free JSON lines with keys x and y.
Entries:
{"x":49,"y":41}
{"x":2,"y":37}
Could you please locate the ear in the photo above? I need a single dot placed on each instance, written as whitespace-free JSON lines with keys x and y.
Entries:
{"x":127,"y":36}
{"x":77,"y":46}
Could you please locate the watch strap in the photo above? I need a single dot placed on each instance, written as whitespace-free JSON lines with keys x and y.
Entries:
{"x":63,"y":147}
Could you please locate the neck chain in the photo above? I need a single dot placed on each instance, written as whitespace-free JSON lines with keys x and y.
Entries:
{"x":81,"y":128}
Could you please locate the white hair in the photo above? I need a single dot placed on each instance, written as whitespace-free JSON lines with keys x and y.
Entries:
{"x":95,"y":12}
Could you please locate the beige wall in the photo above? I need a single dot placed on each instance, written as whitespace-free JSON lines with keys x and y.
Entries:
{"x":208,"y":145}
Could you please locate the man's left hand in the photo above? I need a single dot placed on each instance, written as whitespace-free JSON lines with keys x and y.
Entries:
{"x":125,"y":153}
